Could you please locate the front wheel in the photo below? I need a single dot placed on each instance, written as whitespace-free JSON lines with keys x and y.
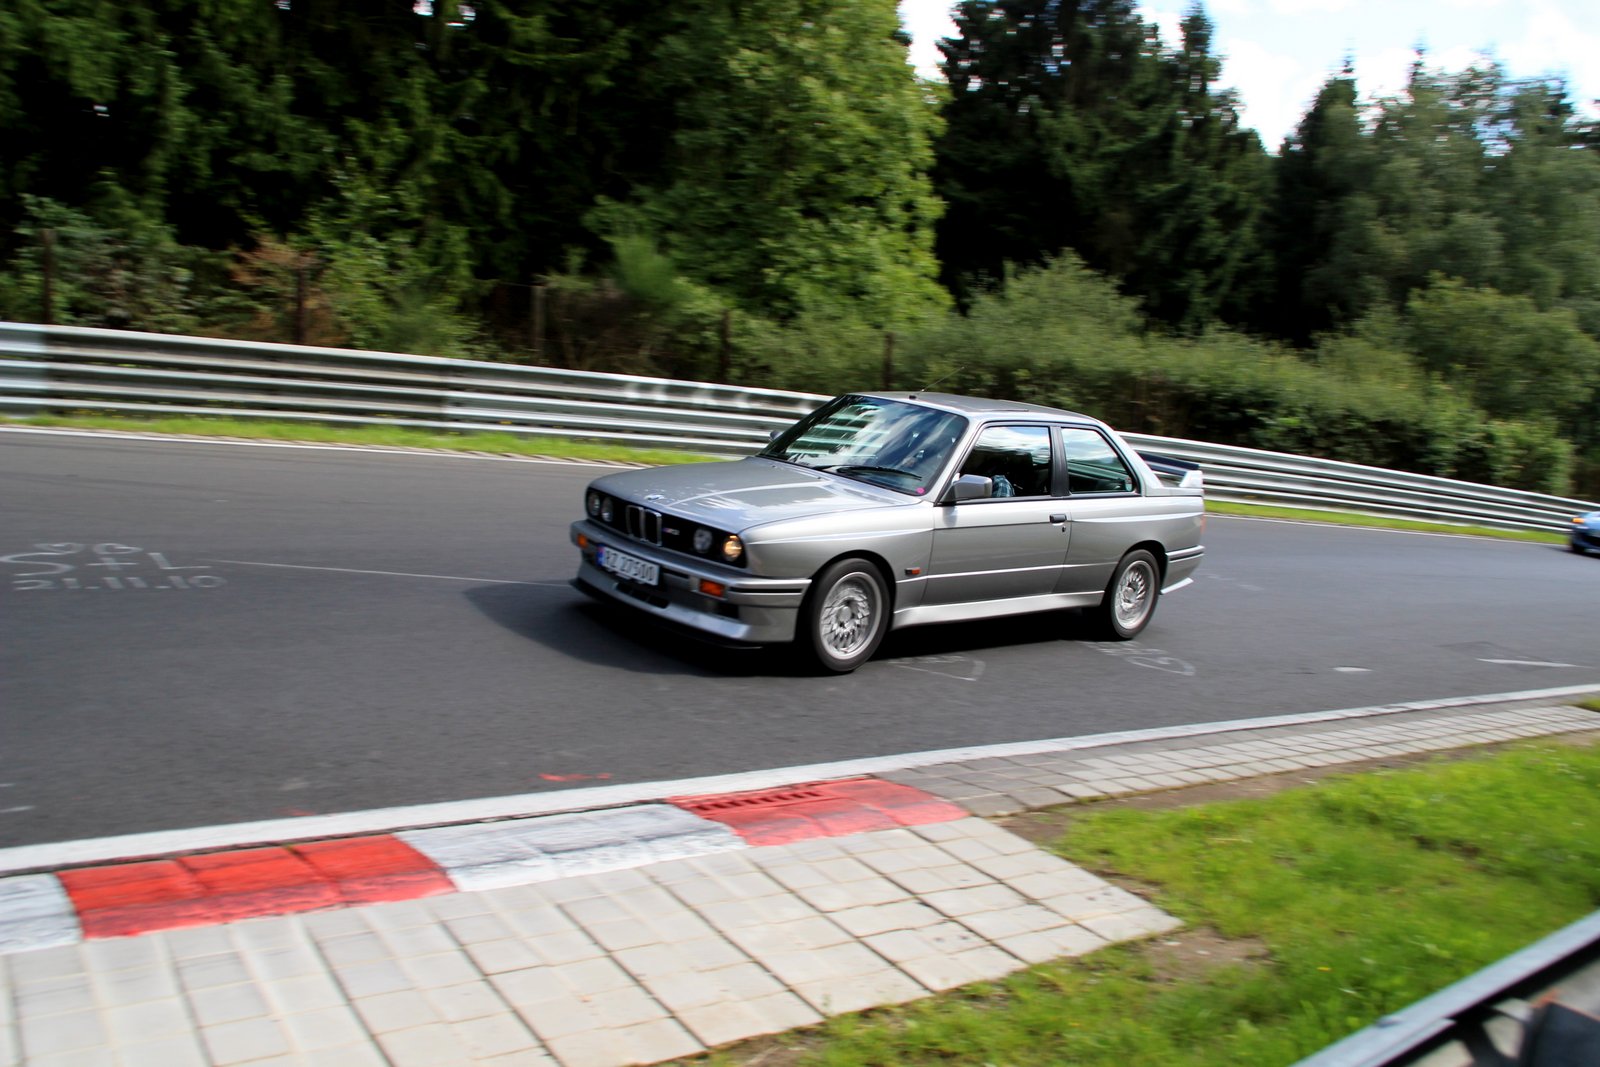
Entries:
{"x":1131,"y":597}
{"x":846,"y":615}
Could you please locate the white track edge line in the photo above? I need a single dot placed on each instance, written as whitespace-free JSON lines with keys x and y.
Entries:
{"x":126,"y":435}
{"x":24,"y":859}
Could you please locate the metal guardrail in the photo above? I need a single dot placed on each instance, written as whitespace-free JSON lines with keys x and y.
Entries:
{"x":66,"y":369}
{"x":1535,"y":1008}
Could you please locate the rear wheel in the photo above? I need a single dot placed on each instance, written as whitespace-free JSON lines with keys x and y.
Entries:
{"x":846,"y":615}
{"x":1131,"y":597}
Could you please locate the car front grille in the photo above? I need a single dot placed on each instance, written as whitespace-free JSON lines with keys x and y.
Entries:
{"x":651,"y":527}
{"x":644,"y":524}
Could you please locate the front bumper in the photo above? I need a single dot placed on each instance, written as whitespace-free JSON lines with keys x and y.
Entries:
{"x":750,"y":610}
{"x":1586,"y":537}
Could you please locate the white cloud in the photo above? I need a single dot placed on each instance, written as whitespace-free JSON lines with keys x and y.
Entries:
{"x":927,"y":21}
{"x":1274,"y":89}
{"x":1294,"y":8}
{"x":1552,"y":42}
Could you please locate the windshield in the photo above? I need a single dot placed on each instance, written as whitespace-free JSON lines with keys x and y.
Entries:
{"x":890,"y":443}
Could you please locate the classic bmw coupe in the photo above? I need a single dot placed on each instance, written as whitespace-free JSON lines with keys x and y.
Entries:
{"x":882,"y":510}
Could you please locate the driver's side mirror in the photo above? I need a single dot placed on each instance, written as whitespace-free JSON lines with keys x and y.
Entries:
{"x":970,"y":487}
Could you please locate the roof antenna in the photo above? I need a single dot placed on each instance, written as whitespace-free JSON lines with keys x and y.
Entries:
{"x":943,"y":377}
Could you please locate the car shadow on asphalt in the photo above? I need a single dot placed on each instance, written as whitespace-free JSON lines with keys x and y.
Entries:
{"x":965,"y":638}
{"x":568,"y":623}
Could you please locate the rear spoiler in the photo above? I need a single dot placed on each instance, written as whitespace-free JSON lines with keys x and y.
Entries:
{"x":1184,"y":473}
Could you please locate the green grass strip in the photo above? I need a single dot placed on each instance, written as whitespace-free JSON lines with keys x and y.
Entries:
{"x":1345,"y":518}
{"x":1350,"y":898}
{"x":568,"y":448}
{"x":384,"y":436}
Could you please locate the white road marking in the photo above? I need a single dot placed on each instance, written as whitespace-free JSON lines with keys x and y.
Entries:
{"x":1354,"y":670}
{"x":386,"y":574}
{"x":1532,"y":663}
{"x":59,"y":854}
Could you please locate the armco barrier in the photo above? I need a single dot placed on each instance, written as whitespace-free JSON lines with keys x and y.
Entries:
{"x":65,"y":369}
{"x":1539,"y":1007}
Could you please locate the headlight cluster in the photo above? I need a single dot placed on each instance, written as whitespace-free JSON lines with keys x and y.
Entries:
{"x":732,"y":549}
{"x":717,"y":545}
{"x":600,"y":507}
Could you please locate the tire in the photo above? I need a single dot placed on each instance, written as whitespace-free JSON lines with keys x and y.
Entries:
{"x":846,"y":615}
{"x":1131,"y":597}
{"x":1579,"y":549}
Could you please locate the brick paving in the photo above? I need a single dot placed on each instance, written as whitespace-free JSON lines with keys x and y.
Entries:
{"x":670,"y":957}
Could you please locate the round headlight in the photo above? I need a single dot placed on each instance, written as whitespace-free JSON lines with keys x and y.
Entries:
{"x":607,"y":510}
{"x":702,"y":540}
{"x":592,"y":502}
{"x":732,"y":548}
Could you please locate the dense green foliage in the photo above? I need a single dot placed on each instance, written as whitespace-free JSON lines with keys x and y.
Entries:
{"x":762,"y":191}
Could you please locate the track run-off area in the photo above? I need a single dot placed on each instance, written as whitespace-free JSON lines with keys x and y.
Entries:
{"x":197,"y":633}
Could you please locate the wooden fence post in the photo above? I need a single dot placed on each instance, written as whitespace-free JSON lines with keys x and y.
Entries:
{"x":47,"y":309}
{"x":725,"y":352}
{"x":301,"y":267}
{"x":536,"y":323}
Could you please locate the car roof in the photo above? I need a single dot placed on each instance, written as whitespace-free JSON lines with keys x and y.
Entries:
{"x":977,"y":405}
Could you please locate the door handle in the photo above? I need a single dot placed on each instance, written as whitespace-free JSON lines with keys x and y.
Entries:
{"x":1058,"y":519}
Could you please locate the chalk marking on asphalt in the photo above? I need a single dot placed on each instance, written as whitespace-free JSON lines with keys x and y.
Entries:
{"x":386,"y":574}
{"x":56,"y":855}
{"x":124,"y":435}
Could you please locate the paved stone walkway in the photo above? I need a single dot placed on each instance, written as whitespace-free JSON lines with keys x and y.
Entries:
{"x":667,"y":959}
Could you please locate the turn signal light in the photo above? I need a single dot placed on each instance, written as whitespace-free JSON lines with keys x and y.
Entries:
{"x":710,"y":588}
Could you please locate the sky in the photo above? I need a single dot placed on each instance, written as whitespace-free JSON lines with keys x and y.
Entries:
{"x":1277,"y":53}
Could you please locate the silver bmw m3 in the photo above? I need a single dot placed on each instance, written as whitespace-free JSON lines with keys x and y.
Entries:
{"x":883,"y":510}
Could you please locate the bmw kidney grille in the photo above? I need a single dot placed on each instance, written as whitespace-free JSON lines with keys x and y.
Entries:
{"x":644,"y":524}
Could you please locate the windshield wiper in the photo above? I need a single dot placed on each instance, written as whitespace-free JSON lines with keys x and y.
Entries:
{"x":868,"y":468}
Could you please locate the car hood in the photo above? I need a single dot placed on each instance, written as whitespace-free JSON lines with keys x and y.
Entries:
{"x":743,"y":493}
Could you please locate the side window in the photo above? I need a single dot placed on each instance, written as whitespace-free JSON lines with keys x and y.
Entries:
{"x":1017,"y":458}
{"x":1093,"y":466}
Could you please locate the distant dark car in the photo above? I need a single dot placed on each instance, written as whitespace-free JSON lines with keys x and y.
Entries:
{"x":1586,"y":532}
{"x":885,"y":510}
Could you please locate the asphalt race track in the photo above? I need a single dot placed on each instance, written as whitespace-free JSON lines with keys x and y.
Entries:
{"x":196,"y":633}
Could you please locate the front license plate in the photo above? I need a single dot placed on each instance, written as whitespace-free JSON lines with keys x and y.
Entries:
{"x":630,"y":567}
